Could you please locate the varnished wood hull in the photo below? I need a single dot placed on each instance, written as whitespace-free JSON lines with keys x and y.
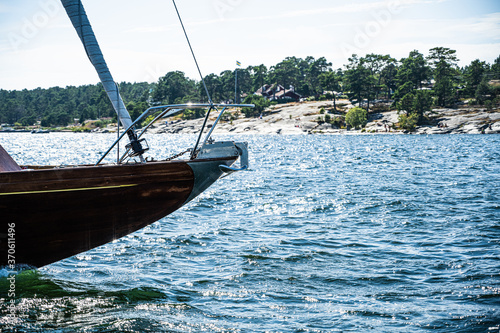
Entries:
{"x":62,"y":212}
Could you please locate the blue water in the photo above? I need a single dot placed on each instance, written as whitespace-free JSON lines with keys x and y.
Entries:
{"x":382,"y":233}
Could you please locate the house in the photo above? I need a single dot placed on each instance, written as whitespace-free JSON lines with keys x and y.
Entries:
{"x":276,"y":92}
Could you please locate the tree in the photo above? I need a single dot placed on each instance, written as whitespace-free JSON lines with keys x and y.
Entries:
{"x":172,"y":88}
{"x":376,"y":64}
{"x":136,"y":109}
{"x":415,"y":103}
{"x":408,"y":122}
{"x":286,"y":73}
{"x":258,"y":75}
{"x":443,"y":61}
{"x":214,"y":87}
{"x":103,"y":104}
{"x":482,"y":91}
{"x":411,"y":74}
{"x":474,"y":74}
{"x":193,"y":114}
{"x":388,"y":79}
{"x":59,"y":106}
{"x":330,"y":81}
{"x":422,"y":103}
{"x":312,"y":72}
{"x":405,"y":104}
{"x":358,"y":80}
{"x":260,"y":104}
{"x":495,"y":69}
{"x":357,"y":117}
{"x":227,"y":79}
{"x":244,"y":82}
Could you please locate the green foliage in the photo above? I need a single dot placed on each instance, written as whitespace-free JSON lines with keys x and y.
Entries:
{"x":489,"y":105}
{"x":402,"y":90}
{"x":286,"y":73}
{"x":172,"y":87}
{"x":363,"y":79}
{"x":495,"y":69}
{"x":358,"y":79}
{"x":330,"y":81}
{"x":445,"y":73}
{"x":474,"y":74}
{"x":148,"y":119}
{"x":58,"y":118}
{"x":367,"y":77}
{"x":422,"y":103}
{"x":408,"y":121}
{"x":228,"y":116}
{"x":413,"y":72}
{"x":258,"y":76}
{"x":377,"y":63}
{"x":28,"y":120}
{"x":102,"y":123}
{"x":136,"y":109}
{"x":406,"y":103}
{"x":416,"y":103}
{"x":338,"y":122}
{"x":482,"y":91}
{"x":312,"y":70}
{"x":260,"y":104}
{"x":388,"y":78}
{"x":60,"y":106}
{"x":193,"y":114}
{"x":357,"y":117}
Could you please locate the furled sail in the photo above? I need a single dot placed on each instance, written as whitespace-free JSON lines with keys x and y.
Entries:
{"x":78,"y":17}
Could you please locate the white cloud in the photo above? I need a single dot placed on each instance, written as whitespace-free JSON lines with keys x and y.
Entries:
{"x":486,"y":27}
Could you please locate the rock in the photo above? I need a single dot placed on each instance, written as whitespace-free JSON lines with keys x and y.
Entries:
{"x":301,"y":118}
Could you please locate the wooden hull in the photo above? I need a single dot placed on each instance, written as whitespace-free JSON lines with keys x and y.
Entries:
{"x":62,"y":212}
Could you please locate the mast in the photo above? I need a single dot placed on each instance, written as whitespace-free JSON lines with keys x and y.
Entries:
{"x":81,"y":23}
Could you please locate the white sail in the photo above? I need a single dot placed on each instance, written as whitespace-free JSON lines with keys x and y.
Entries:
{"x":79,"y":19}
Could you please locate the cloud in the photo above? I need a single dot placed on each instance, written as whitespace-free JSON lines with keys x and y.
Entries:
{"x":473,"y":30}
{"x":487,"y":26}
{"x":391,"y":5}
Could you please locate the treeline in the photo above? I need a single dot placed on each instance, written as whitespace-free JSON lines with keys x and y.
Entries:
{"x":414,"y":84}
{"x":61,"y":106}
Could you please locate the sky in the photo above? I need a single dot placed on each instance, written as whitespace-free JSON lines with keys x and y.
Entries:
{"x":143,"y":40}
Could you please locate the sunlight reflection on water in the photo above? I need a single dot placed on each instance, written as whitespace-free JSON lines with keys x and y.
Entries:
{"x":324,"y":233}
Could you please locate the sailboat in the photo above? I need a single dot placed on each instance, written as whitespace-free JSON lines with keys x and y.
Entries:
{"x":52,"y":213}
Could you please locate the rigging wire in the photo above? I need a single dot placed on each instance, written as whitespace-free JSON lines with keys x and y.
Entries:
{"x":192,"y":52}
{"x":212,"y":106}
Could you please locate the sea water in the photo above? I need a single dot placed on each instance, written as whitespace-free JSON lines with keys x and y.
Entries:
{"x":351,"y":233}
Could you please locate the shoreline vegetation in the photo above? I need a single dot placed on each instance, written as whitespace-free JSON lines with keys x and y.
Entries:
{"x":309,"y":118}
{"x":371,"y":94}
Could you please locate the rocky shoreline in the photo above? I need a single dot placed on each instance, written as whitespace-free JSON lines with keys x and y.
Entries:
{"x":302,"y":118}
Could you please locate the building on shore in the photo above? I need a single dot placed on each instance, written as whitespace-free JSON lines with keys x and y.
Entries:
{"x":276,"y":92}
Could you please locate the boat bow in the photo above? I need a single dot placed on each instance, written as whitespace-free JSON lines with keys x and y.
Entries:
{"x":60,"y":212}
